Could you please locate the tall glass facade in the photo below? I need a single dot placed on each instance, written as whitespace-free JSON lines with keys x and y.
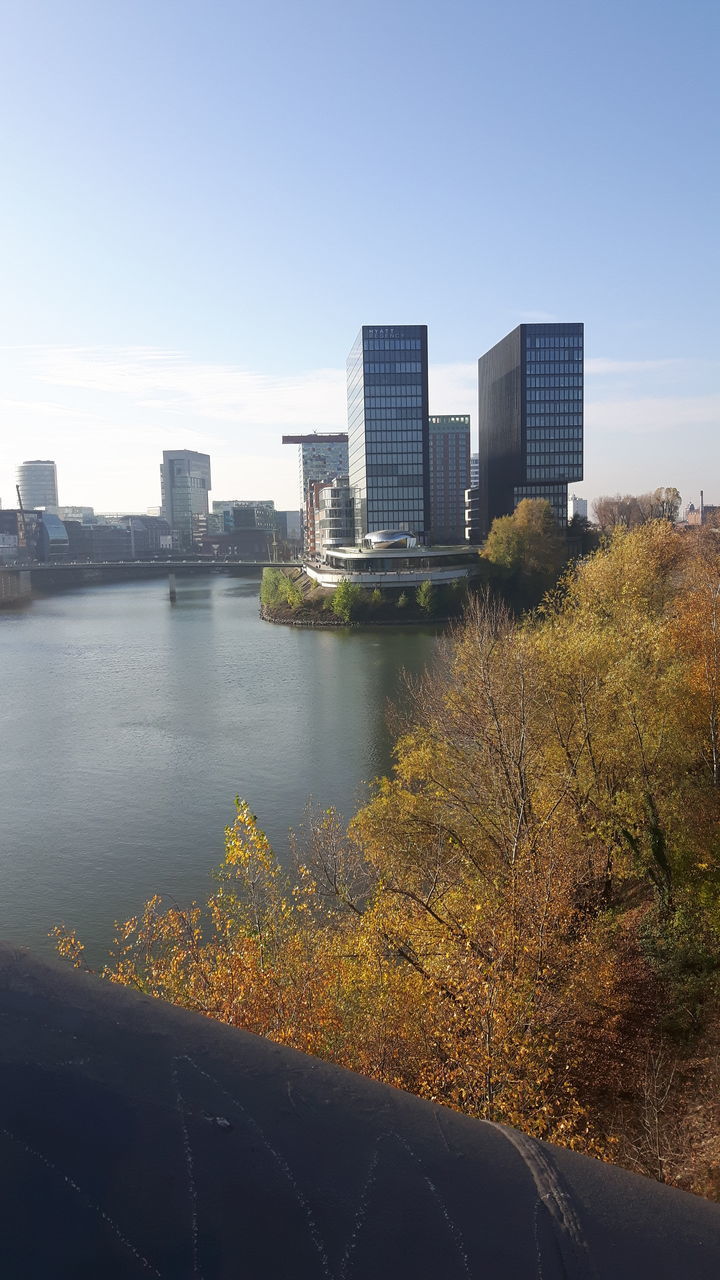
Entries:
{"x":449,"y":475}
{"x":553,"y":387}
{"x":531,"y":419}
{"x":388,"y":445}
{"x":185,"y":484}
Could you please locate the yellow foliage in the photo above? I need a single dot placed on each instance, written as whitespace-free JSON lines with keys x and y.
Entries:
{"x":500,"y":928}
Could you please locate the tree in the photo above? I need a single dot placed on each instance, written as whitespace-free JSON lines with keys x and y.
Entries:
{"x":427,"y":597}
{"x":581,"y":531}
{"x":527,"y":549}
{"x":346,"y":600}
{"x":632,"y":510}
{"x":667,"y":504}
{"x":403,"y":600}
{"x":524,"y":920}
{"x":277,"y":588}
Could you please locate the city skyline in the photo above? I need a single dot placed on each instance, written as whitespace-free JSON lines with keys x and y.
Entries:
{"x":678,"y":433}
{"x":190,"y":241}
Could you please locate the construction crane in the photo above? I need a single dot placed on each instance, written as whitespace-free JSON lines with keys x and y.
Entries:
{"x":22,"y":516}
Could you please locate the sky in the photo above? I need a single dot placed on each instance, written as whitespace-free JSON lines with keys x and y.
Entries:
{"x":203,"y":200}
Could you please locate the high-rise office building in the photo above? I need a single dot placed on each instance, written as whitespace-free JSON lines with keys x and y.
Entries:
{"x":449,"y":476}
{"x":185,"y":484}
{"x":38,"y":484}
{"x":322,"y":456}
{"x":530,"y":419}
{"x":388,"y":445}
{"x":474,"y":470}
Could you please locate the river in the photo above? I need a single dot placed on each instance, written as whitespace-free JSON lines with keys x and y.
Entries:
{"x":129,"y":724}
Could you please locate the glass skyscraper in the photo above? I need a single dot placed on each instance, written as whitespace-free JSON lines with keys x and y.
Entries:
{"x":388,"y":441}
{"x":185,"y":485}
{"x":531,"y":419}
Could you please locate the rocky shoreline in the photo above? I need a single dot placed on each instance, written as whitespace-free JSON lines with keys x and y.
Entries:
{"x":269,"y":615}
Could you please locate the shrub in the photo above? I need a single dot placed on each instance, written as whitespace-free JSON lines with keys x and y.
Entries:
{"x":427,"y":597}
{"x":346,"y":600}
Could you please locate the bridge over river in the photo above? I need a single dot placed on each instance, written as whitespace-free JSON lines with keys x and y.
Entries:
{"x":21,"y":580}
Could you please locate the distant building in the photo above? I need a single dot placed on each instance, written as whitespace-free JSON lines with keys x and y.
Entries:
{"x":474,"y":470}
{"x":185,"y":485}
{"x":86,"y":515}
{"x":289,"y":525}
{"x":449,"y":476}
{"x":111,"y":542}
{"x":388,"y":434}
{"x":321,"y":457}
{"x":255,"y":545}
{"x":38,"y":484}
{"x":705,"y":514}
{"x":80,"y":540}
{"x":150,"y":536}
{"x":53,"y":543}
{"x":237,"y":513}
{"x":334,"y":521}
{"x":577,"y":507}
{"x":530,"y":420}
{"x":18,"y":535}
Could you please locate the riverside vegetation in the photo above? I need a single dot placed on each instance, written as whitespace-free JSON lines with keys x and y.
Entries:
{"x":524,"y":921}
{"x":293,"y":598}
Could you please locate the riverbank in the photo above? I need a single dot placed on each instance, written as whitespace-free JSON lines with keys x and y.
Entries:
{"x":290,"y":597}
{"x":329,"y":621}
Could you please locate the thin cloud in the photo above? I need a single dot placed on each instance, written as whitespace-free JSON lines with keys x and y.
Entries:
{"x":82,"y":405}
{"x":169,"y":383}
{"x":645,"y":415}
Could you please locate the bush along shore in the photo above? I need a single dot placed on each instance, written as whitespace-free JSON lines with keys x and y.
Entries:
{"x":289,"y":596}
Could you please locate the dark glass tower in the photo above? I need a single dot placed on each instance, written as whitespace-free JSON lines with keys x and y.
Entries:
{"x":531,"y":419}
{"x":388,"y":445}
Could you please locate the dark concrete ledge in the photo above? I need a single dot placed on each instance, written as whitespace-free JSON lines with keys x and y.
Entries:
{"x":137,"y":1139}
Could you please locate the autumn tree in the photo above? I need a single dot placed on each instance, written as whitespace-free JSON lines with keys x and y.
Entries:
{"x":524,"y":920}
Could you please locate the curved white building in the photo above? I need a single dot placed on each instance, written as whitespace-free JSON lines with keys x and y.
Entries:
{"x":38,"y":484}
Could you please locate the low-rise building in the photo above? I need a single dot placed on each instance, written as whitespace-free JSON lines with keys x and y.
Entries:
{"x":392,"y":559}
